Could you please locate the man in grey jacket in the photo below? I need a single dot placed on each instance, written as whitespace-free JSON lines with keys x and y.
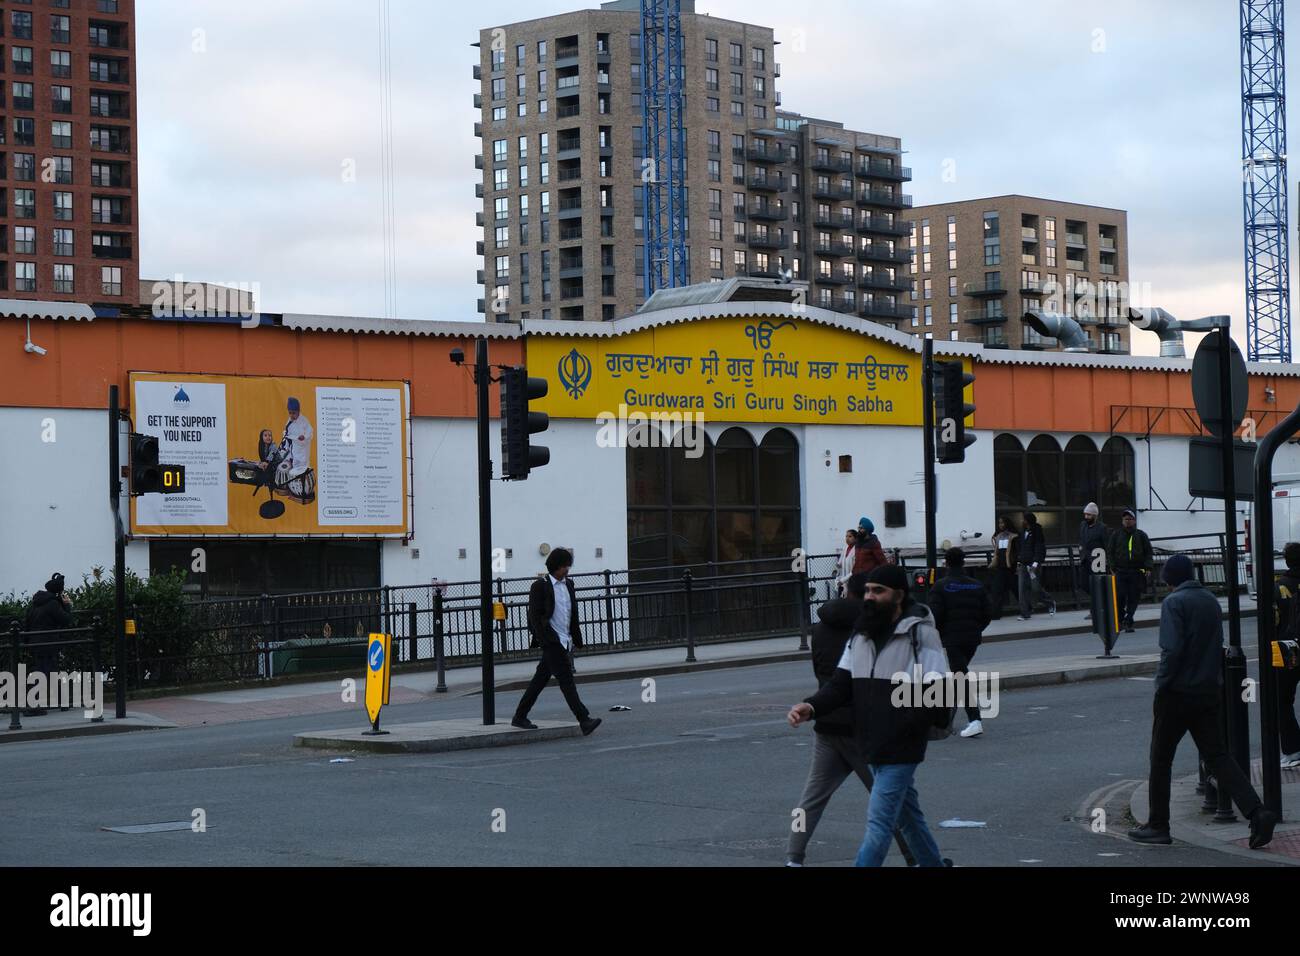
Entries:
{"x":1189,"y":697}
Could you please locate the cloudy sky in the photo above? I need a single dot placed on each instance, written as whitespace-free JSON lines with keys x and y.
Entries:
{"x":251,"y":110}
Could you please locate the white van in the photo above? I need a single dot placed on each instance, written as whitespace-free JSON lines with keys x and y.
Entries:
{"x":1286,"y":522}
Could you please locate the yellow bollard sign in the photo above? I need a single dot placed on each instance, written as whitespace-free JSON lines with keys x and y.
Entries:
{"x":377,"y":676}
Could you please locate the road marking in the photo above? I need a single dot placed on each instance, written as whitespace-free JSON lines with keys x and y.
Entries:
{"x":152,"y":827}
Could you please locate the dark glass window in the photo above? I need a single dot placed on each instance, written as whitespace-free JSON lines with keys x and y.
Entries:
{"x":739,"y":501}
{"x":1056,"y":484}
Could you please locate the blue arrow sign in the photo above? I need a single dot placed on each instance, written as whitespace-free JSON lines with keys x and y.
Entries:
{"x":376,"y":655}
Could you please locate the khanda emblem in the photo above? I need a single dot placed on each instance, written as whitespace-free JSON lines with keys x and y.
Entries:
{"x":761,"y":334}
{"x":575,"y":373}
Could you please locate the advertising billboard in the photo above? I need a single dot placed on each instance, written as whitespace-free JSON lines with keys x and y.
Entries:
{"x":275,"y":456}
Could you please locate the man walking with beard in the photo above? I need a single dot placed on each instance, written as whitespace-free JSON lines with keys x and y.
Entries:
{"x":894,"y":636}
{"x":1093,"y":538}
{"x":835,"y":753}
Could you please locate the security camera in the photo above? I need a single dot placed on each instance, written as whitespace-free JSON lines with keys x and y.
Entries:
{"x":458,"y":356}
{"x":33,"y":349}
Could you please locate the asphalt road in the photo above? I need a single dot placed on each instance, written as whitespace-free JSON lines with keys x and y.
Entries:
{"x":707,"y":775}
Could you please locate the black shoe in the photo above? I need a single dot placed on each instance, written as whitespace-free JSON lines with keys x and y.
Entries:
{"x":1262,"y":822}
{"x":1150,"y":835}
{"x":947,"y":862}
{"x":588,"y":725}
{"x":523,"y":723}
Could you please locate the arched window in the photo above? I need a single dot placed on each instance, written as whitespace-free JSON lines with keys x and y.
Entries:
{"x":1008,"y":473}
{"x":1118,"y":482}
{"x":778,"y":490}
{"x":736,"y":501}
{"x":1056,"y":484}
{"x":1081,"y":468}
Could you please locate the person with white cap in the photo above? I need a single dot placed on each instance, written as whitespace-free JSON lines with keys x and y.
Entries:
{"x":1094,"y":536}
{"x":1132,"y":561}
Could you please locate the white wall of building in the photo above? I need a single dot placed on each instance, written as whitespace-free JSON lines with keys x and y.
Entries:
{"x":887,"y":466}
{"x":578,"y":501}
{"x":54,"y":509}
{"x":54,"y":513}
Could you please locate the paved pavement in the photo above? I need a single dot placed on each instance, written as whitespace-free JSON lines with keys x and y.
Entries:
{"x":1045,"y":649}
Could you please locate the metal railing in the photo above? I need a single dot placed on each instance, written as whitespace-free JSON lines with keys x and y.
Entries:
{"x":437,"y":624}
{"x":67,"y":650}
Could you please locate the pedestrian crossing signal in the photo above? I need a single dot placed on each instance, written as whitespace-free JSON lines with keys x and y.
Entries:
{"x":147,"y":476}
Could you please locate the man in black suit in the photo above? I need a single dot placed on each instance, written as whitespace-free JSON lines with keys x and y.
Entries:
{"x":553,"y":624}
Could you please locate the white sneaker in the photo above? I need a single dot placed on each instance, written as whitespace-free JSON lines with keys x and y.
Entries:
{"x":973,"y":729}
{"x":1290,"y":760}
{"x":792,"y":863}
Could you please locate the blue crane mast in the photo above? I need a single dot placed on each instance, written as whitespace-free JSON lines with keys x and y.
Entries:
{"x":664,"y":171}
{"x":1263,"y":148}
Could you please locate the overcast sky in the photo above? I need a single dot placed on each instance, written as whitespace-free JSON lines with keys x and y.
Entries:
{"x":250,"y":109}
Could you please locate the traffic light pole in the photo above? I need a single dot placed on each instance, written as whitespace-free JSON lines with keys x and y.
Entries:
{"x":482,"y":379}
{"x":119,"y":551}
{"x":927,"y":430}
{"x":1238,"y":725}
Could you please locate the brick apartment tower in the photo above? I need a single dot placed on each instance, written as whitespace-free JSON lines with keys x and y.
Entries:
{"x":769,"y":190}
{"x":68,"y":156}
{"x":981,"y":264}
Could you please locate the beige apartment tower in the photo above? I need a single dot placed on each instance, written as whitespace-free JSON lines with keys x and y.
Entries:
{"x":981,"y":264}
{"x":769,"y":192}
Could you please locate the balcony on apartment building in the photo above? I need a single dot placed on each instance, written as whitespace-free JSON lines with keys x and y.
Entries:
{"x":989,"y":287}
{"x":1076,"y":239}
{"x":884,"y":197}
{"x":757,"y":271}
{"x":566,"y":52}
{"x":839,"y":248}
{"x":873,"y":308}
{"x":765,"y":183}
{"x":984,"y":316}
{"x":568,"y":147}
{"x":883,"y":225}
{"x":832,"y":191}
{"x":765,"y":154}
{"x":882,"y":169}
{"x":1035,"y":342}
{"x":993,"y":337}
{"x":882,"y":253}
{"x":830,"y":163}
{"x":770,"y":240}
{"x":832,"y":277}
{"x":769,"y":212}
{"x":871,"y":279}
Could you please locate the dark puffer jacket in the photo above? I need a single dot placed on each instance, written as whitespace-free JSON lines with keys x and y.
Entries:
{"x":833,"y":629}
{"x":961,"y":608}
{"x":48,"y":613}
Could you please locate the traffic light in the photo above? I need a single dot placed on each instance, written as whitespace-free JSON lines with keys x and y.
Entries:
{"x":147,"y":475}
{"x":518,"y":455}
{"x":951,"y":412}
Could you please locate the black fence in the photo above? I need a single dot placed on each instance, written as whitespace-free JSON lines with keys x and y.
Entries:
{"x":221,"y":641}
{"x":73,"y":650}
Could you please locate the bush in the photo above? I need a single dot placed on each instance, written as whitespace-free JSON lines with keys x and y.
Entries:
{"x":164,"y":625}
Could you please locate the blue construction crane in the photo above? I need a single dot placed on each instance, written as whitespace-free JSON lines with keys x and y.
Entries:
{"x":664,"y":172}
{"x":1263,"y":156}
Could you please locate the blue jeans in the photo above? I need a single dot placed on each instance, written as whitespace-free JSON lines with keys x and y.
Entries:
{"x":894,"y":804}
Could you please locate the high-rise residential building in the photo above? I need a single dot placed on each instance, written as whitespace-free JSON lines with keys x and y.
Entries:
{"x":768,"y":191}
{"x":982,"y":263}
{"x":69,"y":200}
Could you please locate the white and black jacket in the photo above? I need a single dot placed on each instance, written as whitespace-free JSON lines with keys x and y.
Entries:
{"x":890,"y":727}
